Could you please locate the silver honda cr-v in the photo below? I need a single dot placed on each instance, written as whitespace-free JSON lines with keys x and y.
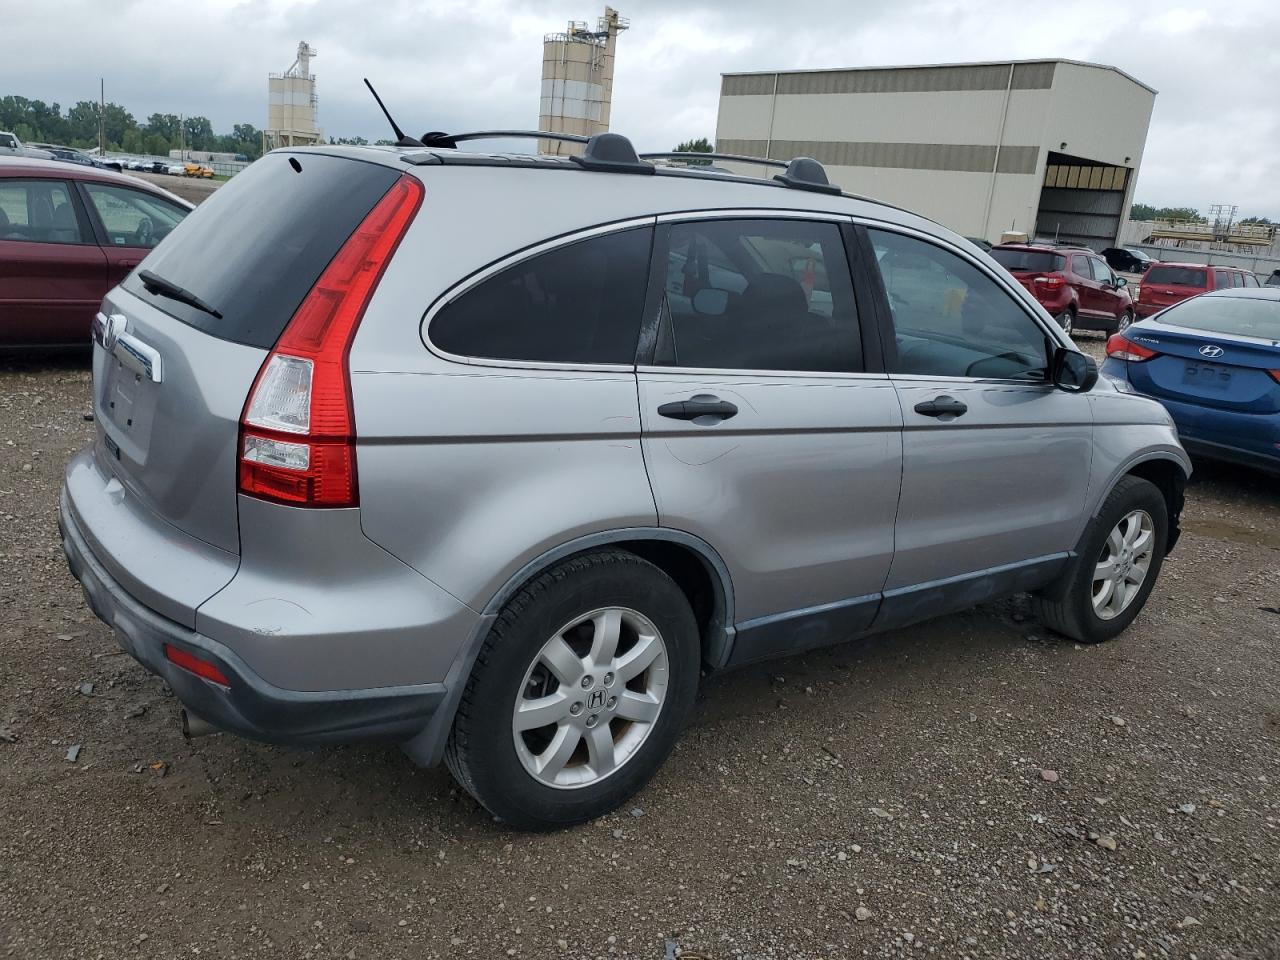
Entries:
{"x":495,"y":455}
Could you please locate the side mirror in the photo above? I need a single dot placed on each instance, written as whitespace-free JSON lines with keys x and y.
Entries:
{"x":1073,"y":371}
{"x":1121,"y":282}
{"x":711,"y":302}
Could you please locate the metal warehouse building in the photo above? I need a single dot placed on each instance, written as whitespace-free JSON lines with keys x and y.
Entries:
{"x":1050,"y":148}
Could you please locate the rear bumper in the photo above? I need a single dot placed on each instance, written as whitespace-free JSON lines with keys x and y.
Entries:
{"x":251,"y":706}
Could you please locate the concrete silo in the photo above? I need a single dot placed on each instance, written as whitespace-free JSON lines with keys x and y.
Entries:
{"x":291,"y":104}
{"x":577,"y":80}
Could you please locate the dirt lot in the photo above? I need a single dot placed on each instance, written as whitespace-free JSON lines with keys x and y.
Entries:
{"x":194,"y":189}
{"x":970,"y":787}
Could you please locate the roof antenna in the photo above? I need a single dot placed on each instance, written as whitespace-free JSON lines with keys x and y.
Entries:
{"x":401,"y":139}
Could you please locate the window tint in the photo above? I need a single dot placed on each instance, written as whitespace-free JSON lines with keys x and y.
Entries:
{"x":1031,"y":261}
{"x":1101,"y":272}
{"x":1250,"y":280}
{"x":38,"y":211}
{"x":1237,"y":279}
{"x":1080,"y":266}
{"x":759,"y":295}
{"x":133,"y":218}
{"x":255,"y":248}
{"x":1175,"y":276}
{"x":580,"y":303}
{"x":1221,"y":279}
{"x":951,"y":319}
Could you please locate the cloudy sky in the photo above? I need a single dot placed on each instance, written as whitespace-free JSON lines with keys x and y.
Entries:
{"x":468,"y":64}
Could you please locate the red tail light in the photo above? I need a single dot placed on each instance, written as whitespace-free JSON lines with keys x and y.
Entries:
{"x":297,"y":432}
{"x":1051,"y":284}
{"x":1275,"y":375}
{"x":1122,"y":348}
{"x":193,"y":664}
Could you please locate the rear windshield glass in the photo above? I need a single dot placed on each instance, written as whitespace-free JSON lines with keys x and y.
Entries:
{"x":255,"y":248}
{"x":1244,"y":317}
{"x":1034,"y":261}
{"x":1175,"y":276}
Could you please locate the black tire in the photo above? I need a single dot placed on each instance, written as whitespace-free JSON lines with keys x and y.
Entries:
{"x":481,"y":753}
{"x":1067,"y":606}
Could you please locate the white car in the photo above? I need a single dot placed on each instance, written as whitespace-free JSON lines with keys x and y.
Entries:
{"x":176,"y":169}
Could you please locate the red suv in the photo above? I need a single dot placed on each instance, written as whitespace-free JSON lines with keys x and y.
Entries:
{"x":1165,"y":284}
{"x":1073,"y":283}
{"x":68,"y":234}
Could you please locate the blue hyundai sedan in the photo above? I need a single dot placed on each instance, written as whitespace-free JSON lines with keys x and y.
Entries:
{"x":1214,"y":362}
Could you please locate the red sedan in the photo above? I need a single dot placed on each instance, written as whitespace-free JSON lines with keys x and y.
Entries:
{"x":68,"y":234}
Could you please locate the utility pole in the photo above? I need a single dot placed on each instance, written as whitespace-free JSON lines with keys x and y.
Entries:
{"x":102,"y":117}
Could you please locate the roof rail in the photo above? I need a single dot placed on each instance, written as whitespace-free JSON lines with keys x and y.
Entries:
{"x":708,"y":157}
{"x":613,"y":153}
{"x":437,"y":138}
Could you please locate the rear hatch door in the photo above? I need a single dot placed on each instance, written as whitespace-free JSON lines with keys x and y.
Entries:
{"x":1207,"y":369}
{"x":1164,"y":285}
{"x":179,"y":343}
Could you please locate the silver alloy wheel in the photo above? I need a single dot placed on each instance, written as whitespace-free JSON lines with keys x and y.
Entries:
{"x":1126,"y":321}
{"x":590,"y":698}
{"x":1123,"y":564}
{"x":1066,"y":322}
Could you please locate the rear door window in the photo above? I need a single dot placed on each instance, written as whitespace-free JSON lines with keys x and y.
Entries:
{"x":1221,"y":279}
{"x":1080,"y":267}
{"x":1237,"y":279}
{"x":39,"y":211}
{"x":759,"y":295}
{"x":579,"y":303}
{"x":1250,"y":280}
{"x":255,"y":248}
{"x":1175,"y":276}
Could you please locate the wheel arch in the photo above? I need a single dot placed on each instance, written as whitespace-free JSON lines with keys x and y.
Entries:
{"x":695,"y":566}
{"x":1168,"y":468}
{"x":1170,"y":479}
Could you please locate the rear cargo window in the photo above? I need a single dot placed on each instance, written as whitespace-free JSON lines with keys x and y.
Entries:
{"x":1242,"y":316}
{"x":1176,"y":276}
{"x":255,"y":248}
{"x":1032,"y":261}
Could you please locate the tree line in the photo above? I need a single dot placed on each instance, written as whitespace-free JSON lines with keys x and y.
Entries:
{"x":34,"y":121}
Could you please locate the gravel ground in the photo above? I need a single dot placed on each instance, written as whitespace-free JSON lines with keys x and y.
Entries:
{"x":194,"y":189}
{"x":969,"y":787}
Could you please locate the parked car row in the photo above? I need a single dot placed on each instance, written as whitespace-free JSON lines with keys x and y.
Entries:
{"x":1081,"y":290}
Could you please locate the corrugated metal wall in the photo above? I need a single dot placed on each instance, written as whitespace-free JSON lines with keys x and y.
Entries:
{"x":993,"y":76}
{"x":965,"y":157}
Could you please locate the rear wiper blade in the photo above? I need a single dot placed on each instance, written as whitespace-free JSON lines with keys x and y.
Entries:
{"x":167,"y":288}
